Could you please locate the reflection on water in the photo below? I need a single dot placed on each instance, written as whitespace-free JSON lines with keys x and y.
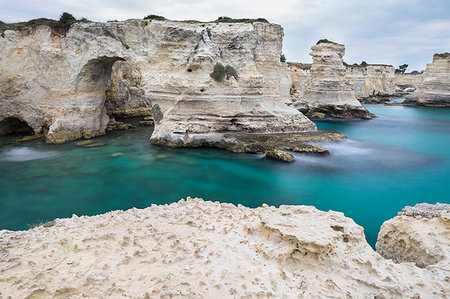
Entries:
{"x":20,"y":154}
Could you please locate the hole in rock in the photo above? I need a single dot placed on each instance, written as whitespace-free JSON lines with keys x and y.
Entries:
{"x":202,"y":90}
{"x":117,"y":84}
{"x":337,"y":228}
{"x":16,"y":126}
{"x":189,"y":70}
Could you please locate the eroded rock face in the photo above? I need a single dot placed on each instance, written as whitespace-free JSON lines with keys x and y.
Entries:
{"x":204,"y":249}
{"x":68,"y":87}
{"x":419,"y":234}
{"x":300,"y":73}
{"x":250,"y":102}
{"x":327,"y":91}
{"x":373,"y":80}
{"x":434,"y":88}
{"x":406,"y":83}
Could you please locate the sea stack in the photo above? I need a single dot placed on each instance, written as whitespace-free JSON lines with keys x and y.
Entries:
{"x":434,"y":88}
{"x":327,"y":93}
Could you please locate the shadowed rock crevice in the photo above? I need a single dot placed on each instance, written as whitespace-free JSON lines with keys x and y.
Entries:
{"x":14,"y":125}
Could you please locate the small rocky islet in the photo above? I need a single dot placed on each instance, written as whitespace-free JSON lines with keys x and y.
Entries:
{"x":218,"y":84}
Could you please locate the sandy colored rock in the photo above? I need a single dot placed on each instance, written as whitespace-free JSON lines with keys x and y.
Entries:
{"x":300,"y":73}
{"x":69,"y":86}
{"x":434,"y":88}
{"x":406,"y":83}
{"x":372,"y":80}
{"x":419,"y":234}
{"x":327,"y":91}
{"x":281,"y":155}
{"x":198,"y":249}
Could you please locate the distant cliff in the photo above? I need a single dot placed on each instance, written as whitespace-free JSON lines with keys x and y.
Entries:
{"x":326,"y":92}
{"x":371,"y":80}
{"x":434,"y":87}
{"x":207,"y":79}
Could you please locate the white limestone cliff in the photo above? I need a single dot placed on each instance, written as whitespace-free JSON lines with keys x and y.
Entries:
{"x":372,"y":80}
{"x":327,"y":93}
{"x":69,"y":86}
{"x":419,"y":234}
{"x":198,"y":249}
{"x":434,"y":88}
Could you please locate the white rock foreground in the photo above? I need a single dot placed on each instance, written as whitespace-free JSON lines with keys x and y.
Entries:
{"x":196,"y":248}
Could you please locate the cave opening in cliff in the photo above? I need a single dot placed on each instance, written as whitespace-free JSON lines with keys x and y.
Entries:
{"x":117,"y":83}
{"x":15,"y":126}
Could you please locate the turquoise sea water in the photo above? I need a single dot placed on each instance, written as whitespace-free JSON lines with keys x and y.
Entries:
{"x":400,"y":158}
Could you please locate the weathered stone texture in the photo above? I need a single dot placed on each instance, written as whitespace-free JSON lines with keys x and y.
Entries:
{"x":68,"y":87}
{"x":198,"y":249}
{"x":327,"y":88}
{"x":434,"y":88}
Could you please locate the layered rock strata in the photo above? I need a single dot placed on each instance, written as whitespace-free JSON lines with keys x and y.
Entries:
{"x":434,"y":88}
{"x":372,"y":80}
{"x":300,"y":73}
{"x":327,"y":93}
{"x":198,"y":249}
{"x":419,"y":234}
{"x":69,"y":87}
{"x":406,"y":83}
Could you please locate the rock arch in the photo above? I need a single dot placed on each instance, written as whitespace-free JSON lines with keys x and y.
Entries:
{"x":116,"y":82}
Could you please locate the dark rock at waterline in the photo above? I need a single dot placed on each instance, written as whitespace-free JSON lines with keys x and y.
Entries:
{"x":281,"y":155}
{"x":146,"y":123}
{"x":338,"y":111}
{"x":118,"y":125}
{"x":260,"y":143}
{"x":90,"y":143}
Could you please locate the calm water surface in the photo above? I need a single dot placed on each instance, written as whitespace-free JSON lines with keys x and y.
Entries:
{"x":400,"y":158}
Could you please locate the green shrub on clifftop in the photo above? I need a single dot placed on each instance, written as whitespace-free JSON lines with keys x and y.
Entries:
{"x":67,"y":20}
{"x":324,"y":40}
{"x":58,"y":27}
{"x":155,"y":17}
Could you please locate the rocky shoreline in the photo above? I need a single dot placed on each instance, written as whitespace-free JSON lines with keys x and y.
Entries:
{"x":266,"y":143}
{"x":202,"y":249}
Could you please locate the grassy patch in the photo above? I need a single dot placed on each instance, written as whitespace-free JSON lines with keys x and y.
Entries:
{"x":218,"y":20}
{"x":40,"y":223}
{"x":231,"y":20}
{"x":60,"y":26}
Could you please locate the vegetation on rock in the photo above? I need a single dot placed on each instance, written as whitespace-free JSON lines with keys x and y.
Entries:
{"x":61,"y":26}
{"x":282,"y":58}
{"x":220,"y":72}
{"x":324,"y":40}
{"x":231,"y":20}
{"x":401,"y":69}
{"x":155,"y":17}
{"x":39,"y":223}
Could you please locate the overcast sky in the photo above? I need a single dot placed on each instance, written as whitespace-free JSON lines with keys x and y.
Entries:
{"x":377,"y":31}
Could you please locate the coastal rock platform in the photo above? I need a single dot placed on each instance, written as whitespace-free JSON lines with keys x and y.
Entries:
{"x":260,"y":143}
{"x":200,"y":249}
